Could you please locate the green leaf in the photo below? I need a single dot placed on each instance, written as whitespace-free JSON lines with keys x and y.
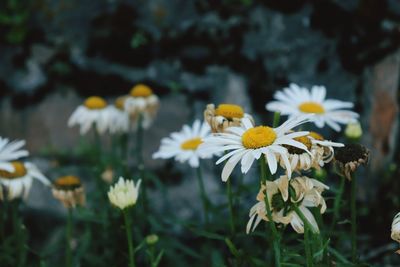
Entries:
{"x":158,"y":259}
{"x":235,"y":252}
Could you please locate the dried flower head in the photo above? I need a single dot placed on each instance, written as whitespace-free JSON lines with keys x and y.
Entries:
{"x":224,"y":116}
{"x":69,"y":191}
{"x":350,"y":157}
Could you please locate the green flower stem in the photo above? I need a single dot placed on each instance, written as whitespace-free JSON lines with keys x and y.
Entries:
{"x":97,"y":144}
{"x":16,"y":221}
{"x":139,"y":159}
{"x":277,"y":117}
{"x":202,"y":193}
{"x":68,"y":232}
{"x":353,"y":220}
{"x":129,"y":237}
{"x":230,"y":204}
{"x":307,"y":237}
{"x":275,"y":234}
{"x":337,"y":203}
{"x":123,"y":150}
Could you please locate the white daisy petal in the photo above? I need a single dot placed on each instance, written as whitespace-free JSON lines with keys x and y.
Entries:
{"x":230,"y":165}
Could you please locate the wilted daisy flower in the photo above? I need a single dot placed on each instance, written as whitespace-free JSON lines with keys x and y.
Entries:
{"x":184,"y":145}
{"x":276,"y":203}
{"x":17,"y":183}
{"x":93,"y":113}
{"x":69,"y":191}
{"x":296,"y":100}
{"x":142,"y":100}
{"x":124,"y":193}
{"x":350,"y":157}
{"x":224,"y":116}
{"x":10,"y":151}
{"x":395,"y":235}
{"x":305,"y":192}
{"x":321,"y":152}
{"x":248,"y":143}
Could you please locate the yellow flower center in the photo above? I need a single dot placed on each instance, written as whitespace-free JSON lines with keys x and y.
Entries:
{"x":19,"y":171}
{"x":316,"y":136}
{"x":229,"y":111}
{"x":141,"y":90}
{"x":67,"y":182}
{"x":311,"y":107}
{"x":191,"y":144}
{"x":257,"y":137}
{"x":95,"y":102}
{"x":302,"y":139}
{"x":119,"y":102}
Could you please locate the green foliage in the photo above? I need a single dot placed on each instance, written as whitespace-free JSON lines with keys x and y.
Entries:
{"x":14,"y":16}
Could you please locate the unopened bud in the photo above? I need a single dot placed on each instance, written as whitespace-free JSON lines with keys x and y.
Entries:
{"x":151,"y":239}
{"x":353,"y":130}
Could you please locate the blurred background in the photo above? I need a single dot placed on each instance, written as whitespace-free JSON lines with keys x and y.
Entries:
{"x":55,"y":53}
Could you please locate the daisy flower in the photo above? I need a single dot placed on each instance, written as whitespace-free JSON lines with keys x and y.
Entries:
{"x":296,"y":100}
{"x":117,"y":118}
{"x":93,"y":112}
{"x":124,"y":193}
{"x":306,"y":192}
{"x":17,"y":183}
{"x":321,"y":152}
{"x":224,"y":116}
{"x":10,"y":151}
{"x":142,"y":101}
{"x":69,"y":191}
{"x":184,"y":145}
{"x":248,"y":143}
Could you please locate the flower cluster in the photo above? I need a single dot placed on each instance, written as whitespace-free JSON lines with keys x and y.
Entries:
{"x":118,"y":117}
{"x":229,"y":130}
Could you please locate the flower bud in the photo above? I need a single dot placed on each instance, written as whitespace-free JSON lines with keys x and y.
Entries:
{"x":353,"y":131}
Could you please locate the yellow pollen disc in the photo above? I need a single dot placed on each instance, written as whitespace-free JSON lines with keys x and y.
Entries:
{"x":304,"y":140}
{"x":19,"y":171}
{"x":95,"y":102}
{"x":316,"y":136}
{"x":191,"y":144}
{"x":229,"y":111}
{"x":311,"y":107}
{"x":68,"y":181}
{"x":119,"y":102}
{"x":258,"y":137}
{"x":141,"y":90}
